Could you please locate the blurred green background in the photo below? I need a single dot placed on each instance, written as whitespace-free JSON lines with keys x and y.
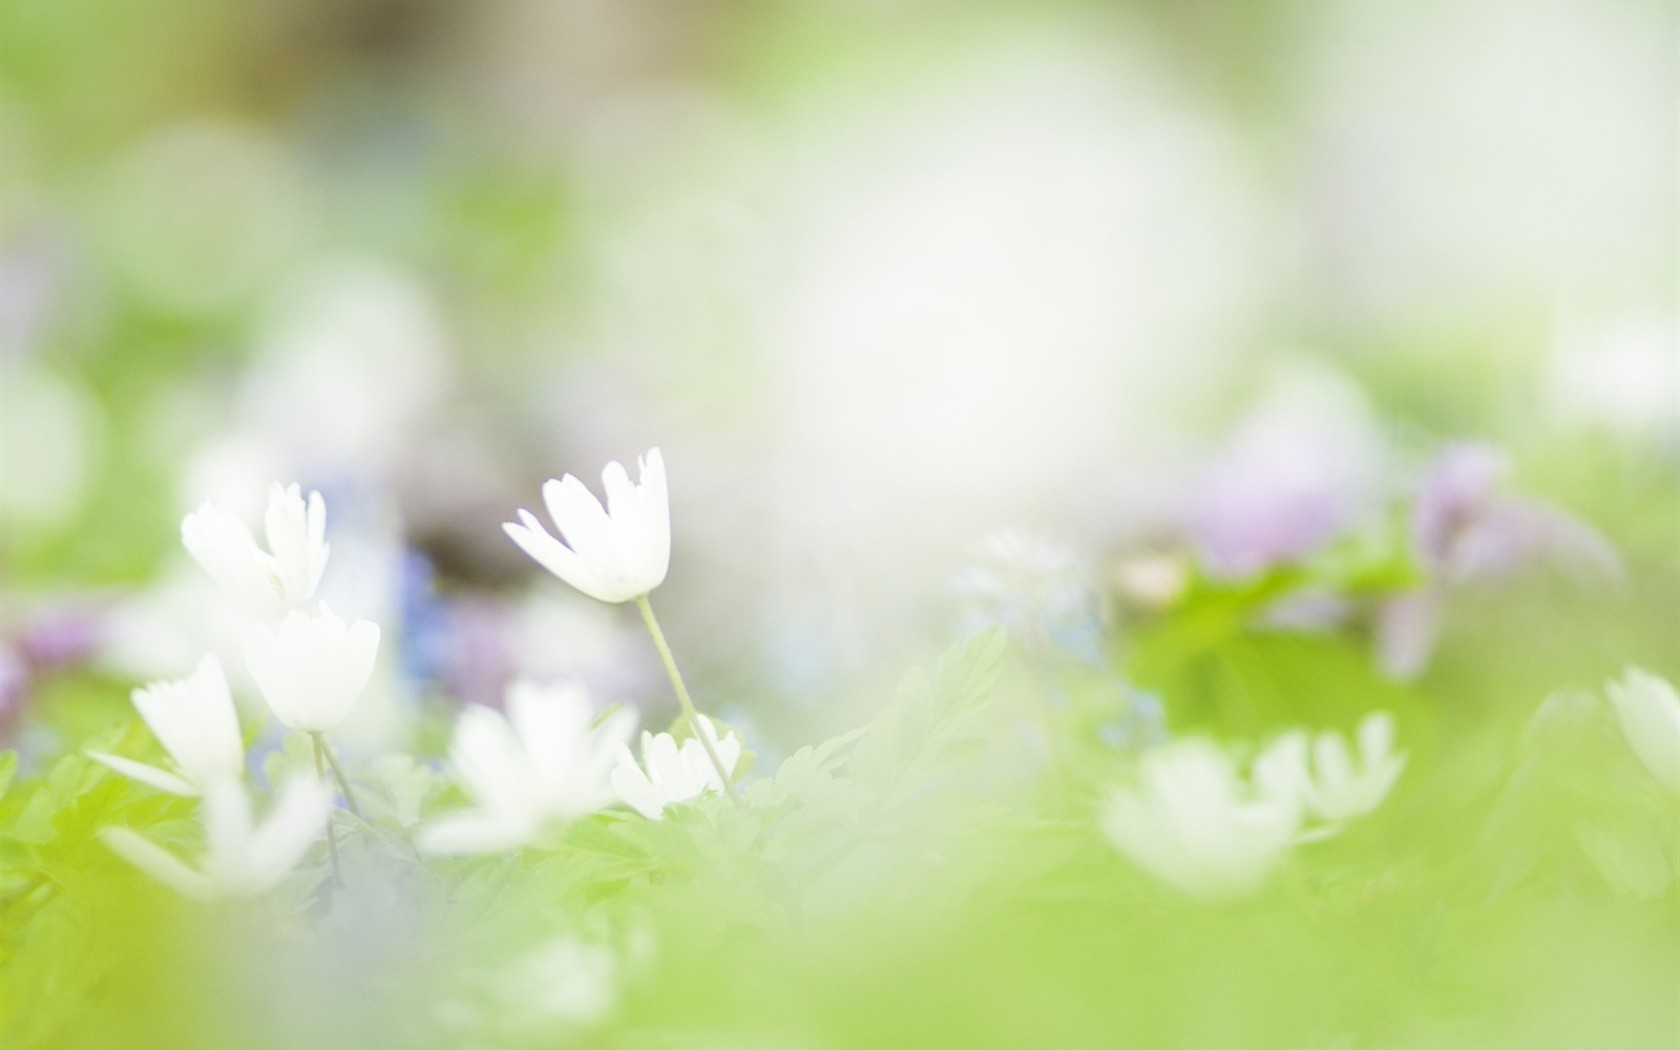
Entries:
{"x":1201,"y":289}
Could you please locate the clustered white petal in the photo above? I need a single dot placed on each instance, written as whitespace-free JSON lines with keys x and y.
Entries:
{"x":1195,"y":822}
{"x":194,"y":719}
{"x":285,"y":575}
{"x":540,"y":764}
{"x":241,"y":858}
{"x":612,"y":553}
{"x":311,"y":669}
{"x":1332,"y":785}
{"x":669,"y":773}
{"x":1648,"y":709}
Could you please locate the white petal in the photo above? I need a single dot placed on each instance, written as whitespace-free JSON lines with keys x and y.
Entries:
{"x":150,"y":775}
{"x":157,"y":862}
{"x":488,"y":757}
{"x":557,"y":558}
{"x":271,"y":667}
{"x":634,"y":788}
{"x":582,"y":521}
{"x":470,"y":833}
{"x":282,"y":840}
{"x":1648,"y":709}
{"x":224,"y":546}
{"x":194,"y":719}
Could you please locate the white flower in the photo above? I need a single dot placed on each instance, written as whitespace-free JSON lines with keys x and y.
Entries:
{"x":241,"y":858}
{"x":540,"y":764}
{"x":670,"y":774}
{"x":194,"y":719}
{"x":1194,"y":823}
{"x":565,"y":982}
{"x":312,"y":669}
{"x":612,"y":554}
{"x":1649,"y":711}
{"x":1332,"y":786}
{"x":287,"y":573}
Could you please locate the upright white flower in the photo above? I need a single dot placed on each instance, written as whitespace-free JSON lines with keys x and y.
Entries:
{"x":1193,"y":822}
{"x":194,"y":719}
{"x":538,"y":765}
{"x":1332,"y":785}
{"x":241,"y":858}
{"x":669,"y":773}
{"x":1649,"y":711}
{"x":614,"y":553}
{"x":283,"y":576}
{"x":312,"y":669}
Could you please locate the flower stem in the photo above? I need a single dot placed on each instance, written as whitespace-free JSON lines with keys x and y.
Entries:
{"x":332,"y":834}
{"x":683,"y":698}
{"x":338,"y":774}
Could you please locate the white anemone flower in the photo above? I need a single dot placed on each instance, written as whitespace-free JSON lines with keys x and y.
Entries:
{"x":1333,"y":786}
{"x":1649,"y":712}
{"x":242,"y":858}
{"x":312,"y":669}
{"x":669,"y":773}
{"x":612,"y":554}
{"x":283,"y":576}
{"x":1194,"y":823}
{"x":194,"y":719}
{"x":541,"y":764}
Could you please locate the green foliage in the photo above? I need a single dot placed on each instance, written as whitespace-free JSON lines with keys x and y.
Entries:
{"x":934,"y":877}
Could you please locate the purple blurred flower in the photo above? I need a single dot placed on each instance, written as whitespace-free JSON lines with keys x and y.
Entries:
{"x":1466,"y":529}
{"x":54,"y":641}
{"x":1302,"y":468}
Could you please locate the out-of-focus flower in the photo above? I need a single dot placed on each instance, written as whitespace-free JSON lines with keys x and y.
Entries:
{"x":540,"y":764}
{"x":614,"y":553}
{"x":49,"y":641}
{"x":284,"y":575}
{"x":312,"y":669}
{"x":1649,"y":711}
{"x":241,"y":858}
{"x":1302,"y":466}
{"x":567,"y":981}
{"x":669,"y":773}
{"x":1192,"y":821}
{"x":194,"y":719}
{"x":1151,"y":580}
{"x":1465,"y":529}
{"x":1332,"y":786}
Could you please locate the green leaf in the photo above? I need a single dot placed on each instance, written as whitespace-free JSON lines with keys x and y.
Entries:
{"x":926,"y":728}
{"x":8,"y":769}
{"x":294,"y":756}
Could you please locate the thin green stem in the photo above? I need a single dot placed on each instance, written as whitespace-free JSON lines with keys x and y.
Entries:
{"x":332,"y":834}
{"x":683,"y":698}
{"x":338,"y":773}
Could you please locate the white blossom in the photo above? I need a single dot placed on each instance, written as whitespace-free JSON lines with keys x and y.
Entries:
{"x":194,"y":719}
{"x":1194,"y":822}
{"x":1649,"y":712}
{"x":285,"y":575}
{"x":1332,"y":784}
{"x":668,"y":773}
{"x":241,"y":858}
{"x":542,"y":763}
{"x":615,"y":553}
{"x":312,"y":669}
